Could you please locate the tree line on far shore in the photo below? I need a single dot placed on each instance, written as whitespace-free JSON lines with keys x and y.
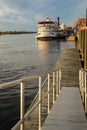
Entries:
{"x":16,"y":32}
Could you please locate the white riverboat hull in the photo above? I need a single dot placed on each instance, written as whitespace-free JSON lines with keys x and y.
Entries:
{"x":46,"y":35}
{"x":46,"y":29}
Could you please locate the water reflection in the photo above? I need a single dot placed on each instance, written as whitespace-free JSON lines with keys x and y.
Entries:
{"x":48,"y":52}
{"x":71,"y":42}
{"x":47,"y":44}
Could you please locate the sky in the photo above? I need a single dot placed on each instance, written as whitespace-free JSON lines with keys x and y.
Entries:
{"x":24,"y":15}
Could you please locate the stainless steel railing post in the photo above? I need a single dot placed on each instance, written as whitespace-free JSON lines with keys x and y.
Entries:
{"x":53,"y":87}
{"x":22,"y":105}
{"x":57,"y":84}
{"x":48,"y":93}
{"x":40,"y":102}
{"x":59,"y":80}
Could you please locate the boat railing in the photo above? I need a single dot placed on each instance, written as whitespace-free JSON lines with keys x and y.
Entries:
{"x":53,"y":79}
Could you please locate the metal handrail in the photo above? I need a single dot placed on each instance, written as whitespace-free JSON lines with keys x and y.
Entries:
{"x":16,"y":82}
{"x":56,"y":85}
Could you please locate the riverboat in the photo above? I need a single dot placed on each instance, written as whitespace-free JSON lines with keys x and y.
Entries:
{"x":47,"y":29}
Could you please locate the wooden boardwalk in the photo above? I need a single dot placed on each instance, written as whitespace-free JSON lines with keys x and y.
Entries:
{"x":69,"y":63}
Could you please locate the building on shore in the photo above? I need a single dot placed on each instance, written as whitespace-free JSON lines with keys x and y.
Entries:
{"x":81,"y":22}
{"x":62,"y":26}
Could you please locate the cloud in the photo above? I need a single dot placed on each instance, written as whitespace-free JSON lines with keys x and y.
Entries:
{"x":23,"y":6}
{"x":28,"y":12}
{"x":1,"y":13}
{"x":81,"y":8}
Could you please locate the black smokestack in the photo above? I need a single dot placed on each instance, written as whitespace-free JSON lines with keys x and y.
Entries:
{"x":58,"y":18}
{"x":86,"y":17}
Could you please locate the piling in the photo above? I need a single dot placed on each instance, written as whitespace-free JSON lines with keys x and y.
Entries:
{"x":82,"y":46}
{"x":79,"y":41}
{"x":83,"y":43}
{"x":85,"y":55}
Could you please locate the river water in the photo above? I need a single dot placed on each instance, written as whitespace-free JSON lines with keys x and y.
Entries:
{"x":20,"y":56}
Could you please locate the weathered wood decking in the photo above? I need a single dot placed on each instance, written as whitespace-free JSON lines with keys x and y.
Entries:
{"x":69,"y":63}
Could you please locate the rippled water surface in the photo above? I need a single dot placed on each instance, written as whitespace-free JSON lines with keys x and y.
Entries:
{"x":21,"y":56}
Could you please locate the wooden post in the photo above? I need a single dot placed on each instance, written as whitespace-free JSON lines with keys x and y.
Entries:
{"x":83,"y":45}
{"x":85,"y":92}
{"x":83,"y":42}
{"x":85,"y":55}
{"x":79,"y":46}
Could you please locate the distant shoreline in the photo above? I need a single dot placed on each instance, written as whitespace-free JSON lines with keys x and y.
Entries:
{"x":17,"y":32}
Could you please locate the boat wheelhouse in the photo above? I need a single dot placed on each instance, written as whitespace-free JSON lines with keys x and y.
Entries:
{"x":46,"y":29}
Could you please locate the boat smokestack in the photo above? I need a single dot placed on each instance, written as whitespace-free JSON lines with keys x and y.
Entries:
{"x":86,"y":17}
{"x":58,"y":18}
